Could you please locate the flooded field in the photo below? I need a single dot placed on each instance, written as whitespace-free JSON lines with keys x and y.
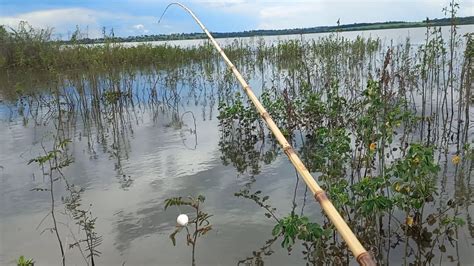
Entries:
{"x":90,"y":156}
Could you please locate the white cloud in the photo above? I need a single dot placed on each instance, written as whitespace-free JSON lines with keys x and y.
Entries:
{"x":139,"y":26}
{"x":90,"y":21}
{"x":283,"y":14}
{"x":224,"y":3}
{"x":288,"y":16}
{"x":62,"y":20}
{"x":139,"y":29}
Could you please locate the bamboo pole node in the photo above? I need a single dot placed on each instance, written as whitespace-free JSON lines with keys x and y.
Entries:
{"x":288,"y":149}
{"x":321,"y":196}
{"x":362,"y":256}
{"x":265,"y":115}
{"x":365,"y":259}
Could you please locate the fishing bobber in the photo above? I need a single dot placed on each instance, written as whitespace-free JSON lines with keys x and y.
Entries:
{"x":182,"y":220}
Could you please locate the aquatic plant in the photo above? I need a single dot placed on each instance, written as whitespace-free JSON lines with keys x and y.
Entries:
{"x":23,"y":261}
{"x":52,"y":164}
{"x":200,"y":223}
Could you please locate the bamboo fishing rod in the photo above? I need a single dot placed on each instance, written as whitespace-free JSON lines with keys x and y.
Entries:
{"x":362,"y":256}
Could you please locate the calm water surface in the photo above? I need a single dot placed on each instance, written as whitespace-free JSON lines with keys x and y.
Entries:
{"x":416,"y":35}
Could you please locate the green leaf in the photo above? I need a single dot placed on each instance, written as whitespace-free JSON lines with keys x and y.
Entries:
{"x":173,"y":235}
{"x":276,"y":230}
{"x":442,"y":248}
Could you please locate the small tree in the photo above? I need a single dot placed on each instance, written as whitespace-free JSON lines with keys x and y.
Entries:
{"x":200,"y":222}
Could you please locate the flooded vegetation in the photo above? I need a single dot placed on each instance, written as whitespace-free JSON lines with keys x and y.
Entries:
{"x":103,"y":146}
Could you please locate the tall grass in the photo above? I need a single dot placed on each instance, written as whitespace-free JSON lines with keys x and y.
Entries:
{"x":28,"y":48}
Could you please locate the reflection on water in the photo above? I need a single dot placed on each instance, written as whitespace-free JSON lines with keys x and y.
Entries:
{"x":140,"y":136}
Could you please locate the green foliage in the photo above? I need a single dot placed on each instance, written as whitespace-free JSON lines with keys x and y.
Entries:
{"x":52,"y":164}
{"x":372,"y":199}
{"x":292,"y":227}
{"x":201,"y":222}
{"x":45,"y":158}
{"x":414,"y":177}
{"x":259,"y":200}
{"x":244,"y":114}
{"x":28,"y":48}
{"x":25,"y":46}
{"x":339,"y":193}
{"x":85,"y":220}
{"x":327,"y":151}
{"x":241,"y":129}
{"x":179,"y":201}
{"x":275,"y":106}
{"x":22,"y":261}
{"x":295,"y":227}
{"x":381,"y":115}
{"x":314,"y":109}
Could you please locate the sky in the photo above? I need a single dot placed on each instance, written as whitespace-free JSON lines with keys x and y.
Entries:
{"x":140,"y":17}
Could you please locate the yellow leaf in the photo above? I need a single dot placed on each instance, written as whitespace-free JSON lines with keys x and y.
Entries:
{"x":409,"y":221}
{"x":398,"y":187}
{"x":456,"y":159}
{"x":373,"y":146}
{"x":416,"y":160}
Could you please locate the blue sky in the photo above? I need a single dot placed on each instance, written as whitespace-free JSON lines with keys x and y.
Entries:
{"x":139,"y":17}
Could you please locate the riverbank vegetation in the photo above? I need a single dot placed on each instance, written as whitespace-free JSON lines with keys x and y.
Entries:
{"x":28,"y":48}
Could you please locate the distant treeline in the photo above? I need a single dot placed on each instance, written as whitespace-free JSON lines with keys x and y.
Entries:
{"x":322,"y":29}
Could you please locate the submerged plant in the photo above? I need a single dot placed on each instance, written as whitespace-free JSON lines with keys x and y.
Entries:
{"x":200,"y":224}
{"x":414,"y":178}
{"x":23,"y":261}
{"x":293,"y":227}
{"x":86,"y":222}
{"x":52,"y":164}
